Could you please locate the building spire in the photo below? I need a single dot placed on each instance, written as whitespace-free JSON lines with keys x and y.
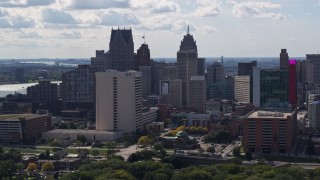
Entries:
{"x":188,"y":30}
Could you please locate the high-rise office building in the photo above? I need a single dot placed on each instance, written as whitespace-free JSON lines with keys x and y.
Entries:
{"x":284,"y":60}
{"x":101,"y":62}
{"x":215,"y":73}
{"x":143,"y":64}
{"x":270,"y":88}
{"x":292,"y":83}
{"x":201,"y":66}
{"x":119,"y":101}
{"x":315,"y":115}
{"x":313,"y":68}
{"x":121,"y":49}
{"x":78,"y":86}
{"x":162,"y":71}
{"x":242,"y":88}
{"x":187,"y":64}
{"x":245,"y":68}
{"x":197,"y":94}
{"x":45,"y":93}
{"x":171,"y":92}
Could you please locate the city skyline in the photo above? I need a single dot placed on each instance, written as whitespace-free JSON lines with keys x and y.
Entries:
{"x":76,"y":28}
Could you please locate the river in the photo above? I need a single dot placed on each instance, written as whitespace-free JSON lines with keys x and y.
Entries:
{"x":6,"y":89}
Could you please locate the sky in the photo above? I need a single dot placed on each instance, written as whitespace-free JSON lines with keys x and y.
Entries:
{"x":230,"y":28}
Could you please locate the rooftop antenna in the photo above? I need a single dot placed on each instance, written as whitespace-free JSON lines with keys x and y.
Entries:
{"x":144,"y":39}
{"x":188,"y":30}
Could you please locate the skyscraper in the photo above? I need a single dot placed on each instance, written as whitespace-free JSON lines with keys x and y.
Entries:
{"x":143,"y":64}
{"x":119,"y":101}
{"x":215,"y":73}
{"x":242,"y":88}
{"x":121,"y":48}
{"x":187,"y":64}
{"x":101,"y":62}
{"x":313,"y":68}
{"x":292,"y":83}
{"x":270,"y":88}
{"x":284,"y":60}
{"x":245,"y":68}
{"x":197,"y":93}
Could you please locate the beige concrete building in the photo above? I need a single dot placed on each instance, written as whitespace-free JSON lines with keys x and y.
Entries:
{"x":242,"y":88}
{"x":119,"y":101}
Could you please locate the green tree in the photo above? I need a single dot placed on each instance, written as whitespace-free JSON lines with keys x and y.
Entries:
{"x":211,"y":149}
{"x":48,"y":166}
{"x":248,"y":155}
{"x":95,"y":152}
{"x":7,"y":169}
{"x":236,"y":151}
{"x":82,"y":138}
{"x":199,"y":175}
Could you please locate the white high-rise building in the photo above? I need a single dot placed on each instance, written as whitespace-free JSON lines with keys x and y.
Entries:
{"x":118,"y":101}
{"x":242,"y":88}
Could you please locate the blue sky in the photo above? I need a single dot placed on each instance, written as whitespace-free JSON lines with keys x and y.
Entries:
{"x":232,"y":28}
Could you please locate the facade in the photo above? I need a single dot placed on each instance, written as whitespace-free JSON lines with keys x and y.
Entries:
{"x":121,"y":49}
{"x":269,"y":132}
{"x":315,"y":115}
{"x":201,"y":66}
{"x":292,"y":83}
{"x":197,"y":94}
{"x":242,"y":88}
{"x":313,"y":68}
{"x":161,"y":71}
{"x":148,"y":117}
{"x":187,"y":64}
{"x":143,"y":56}
{"x":171,"y":92}
{"x":245,"y":68}
{"x":146,"y":81}
{"x":78,"y":85}
{"x":270,"y":88}
{"x":45,"y":92}
{"x":215,"y":73}
{"x":119,"y":101}
{"x":101,"y":62}
{"x":284,"y":60}
{"x":23,"y":128}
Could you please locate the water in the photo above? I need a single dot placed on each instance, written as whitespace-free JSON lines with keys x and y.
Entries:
{"x":15,"y":88}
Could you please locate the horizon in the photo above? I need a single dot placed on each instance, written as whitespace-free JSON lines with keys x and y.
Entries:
{"x":234,"y":28}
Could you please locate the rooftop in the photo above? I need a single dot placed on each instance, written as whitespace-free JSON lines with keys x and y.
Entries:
{"x":12,"y":117}
{"x":80,"y":131}
{"x":269,"y":115}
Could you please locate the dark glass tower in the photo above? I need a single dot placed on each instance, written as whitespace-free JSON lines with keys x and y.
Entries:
{"x":121,"y":48}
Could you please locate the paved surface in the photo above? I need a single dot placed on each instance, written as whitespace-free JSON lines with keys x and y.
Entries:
{"x":126,"y":152}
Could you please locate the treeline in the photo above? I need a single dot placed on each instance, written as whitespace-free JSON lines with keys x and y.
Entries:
{"x":168,"y":169}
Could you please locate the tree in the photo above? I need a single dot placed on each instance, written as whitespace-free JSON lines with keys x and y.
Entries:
{"x":48,"y":166}
{"x":236,"y":151}
{"x":144,"y":140}
{"x":211,"y":149}
{"x":248,"y":155}
{"x":200,"y":175}
{"x":81,"y":138}
{"x":95,"y":152}
{"x":32,"y":167}
{"x":42,"y":156}
{"x":47,"y":154}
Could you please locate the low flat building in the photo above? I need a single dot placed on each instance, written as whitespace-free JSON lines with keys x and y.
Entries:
{"x":90,"y":135}
{"x":23,"y":128}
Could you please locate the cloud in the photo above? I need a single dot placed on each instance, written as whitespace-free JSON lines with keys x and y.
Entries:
{"x":95,"y":4}
{"x":39,"y":2}
{"x":3,"y":13}
{"x":16,"y":22}
{"x":155,"y":6}
{"x":164,"y":6}
{"x":182,"y":26}
{"x":207,"y":8}
{"x":252,"y":9}
{"x":57,"y":17}
{"x":114,"y":18}
{"x":70,"y":35}
{"x":209,"y":29}
{"x":30,"y":35}
{"x":157,"y":22}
